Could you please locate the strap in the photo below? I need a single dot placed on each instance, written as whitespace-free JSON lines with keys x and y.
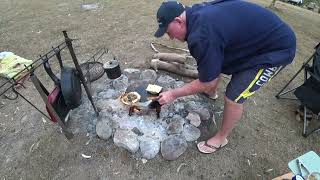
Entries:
{"x":211,"y":146}
{"x":58,"y":56}
{"x":47,"y":68}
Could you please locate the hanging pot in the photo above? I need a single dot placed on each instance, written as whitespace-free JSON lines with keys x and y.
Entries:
{"x":112,"y":68}
{"x":70,"y":87}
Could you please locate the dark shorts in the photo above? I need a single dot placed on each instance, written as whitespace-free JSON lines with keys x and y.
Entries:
{"x":244,"y":84}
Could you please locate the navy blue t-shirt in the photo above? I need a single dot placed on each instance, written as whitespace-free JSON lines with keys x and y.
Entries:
{"x":233,"y":35}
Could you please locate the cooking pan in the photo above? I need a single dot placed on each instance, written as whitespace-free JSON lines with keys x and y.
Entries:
{"x":70,"y":87}
{"x":55,"y":97}
{"x":56,"y":100}
{"x":147,"y":100}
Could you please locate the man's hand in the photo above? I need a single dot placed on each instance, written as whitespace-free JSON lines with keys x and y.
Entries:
{"x":166,"y":97}
{"x":191,"y":88}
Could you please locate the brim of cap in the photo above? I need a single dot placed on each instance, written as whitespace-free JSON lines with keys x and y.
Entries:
{"x":160,"y":32}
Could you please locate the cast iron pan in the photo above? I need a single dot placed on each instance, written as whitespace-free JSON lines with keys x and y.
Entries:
{"x":70,"y":87}
{"x":140,"y":88}
{"x":56,"y":99}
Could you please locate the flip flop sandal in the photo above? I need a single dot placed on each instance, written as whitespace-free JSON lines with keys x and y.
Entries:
{"x":213,"y":97}
{"x":213,"y":148}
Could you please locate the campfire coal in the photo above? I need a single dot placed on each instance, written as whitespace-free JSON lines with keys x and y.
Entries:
{"x":143,"y":134}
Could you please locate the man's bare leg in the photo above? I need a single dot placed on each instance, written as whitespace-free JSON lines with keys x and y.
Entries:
{"x":231,"y":115}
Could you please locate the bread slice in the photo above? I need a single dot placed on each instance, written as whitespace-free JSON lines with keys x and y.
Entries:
{"x":153,"y":89}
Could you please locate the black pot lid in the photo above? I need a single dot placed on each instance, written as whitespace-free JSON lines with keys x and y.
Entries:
{"x":111,"y":64}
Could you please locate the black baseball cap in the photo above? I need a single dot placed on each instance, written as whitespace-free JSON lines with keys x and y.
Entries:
{"x":166,"y":14}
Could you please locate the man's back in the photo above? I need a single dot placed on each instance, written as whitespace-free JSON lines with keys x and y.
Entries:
{"x":242,"y":31}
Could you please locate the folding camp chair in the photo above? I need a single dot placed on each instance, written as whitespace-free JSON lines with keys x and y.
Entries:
{"x":309,"y":92}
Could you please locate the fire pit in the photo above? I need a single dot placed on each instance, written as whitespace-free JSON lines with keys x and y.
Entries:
{"x":141,"y":132}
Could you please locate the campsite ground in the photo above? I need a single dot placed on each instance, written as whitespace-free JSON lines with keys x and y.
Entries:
{"x":260,"y":146}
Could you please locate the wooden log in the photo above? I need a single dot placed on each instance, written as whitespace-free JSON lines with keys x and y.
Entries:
{"x":186,"y":66}
{"x":170,"y":57}
{"x":176,"y":68}
{"x":154,"y":48}
{"x":184,"y":50}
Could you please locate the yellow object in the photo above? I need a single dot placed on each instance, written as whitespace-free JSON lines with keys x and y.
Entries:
{"x":12,"y":64}
{"x":246,"y":93}
{"x":130,"y":98}
{"x":154,"y":89}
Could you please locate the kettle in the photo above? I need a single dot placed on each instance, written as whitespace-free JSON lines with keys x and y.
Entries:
{"x":112,"y":68}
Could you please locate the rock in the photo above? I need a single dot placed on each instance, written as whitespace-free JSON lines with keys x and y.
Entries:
{"x":179,"y":84}
{"x":129,"y":122}
{"x":103,"y":130}
{"x":198,"y":108}
{"x":166,"y":81}
{"x":178,"y":107}
{"x":132,"y":74}
{"x":190,"y":132}
{"x":121,"y":83}
{"x":186,"y":99}
{"x":149,"y":148}
{"x":148,"y":76}
{"x":114,"y":124}
{"x":105,"y":105}
{"x":159,"y":135}
{"x":194,"y":119}
{"x":164,"y":112}
{"x":175,"y":125}
{"x":155,"y":131}
{"x":102,"y":104}
{"x":137,"y":131}
{"x":126,"y":139}
{"x":170,"y":115}
{"x":173,"y":147}
{"x":109,"y":94}
{"x":91,"y":128}
{"x":116,"y":105}
{"x":103,"y":86}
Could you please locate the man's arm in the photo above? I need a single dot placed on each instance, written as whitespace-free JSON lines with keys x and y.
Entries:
{"x":193,"y":87}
